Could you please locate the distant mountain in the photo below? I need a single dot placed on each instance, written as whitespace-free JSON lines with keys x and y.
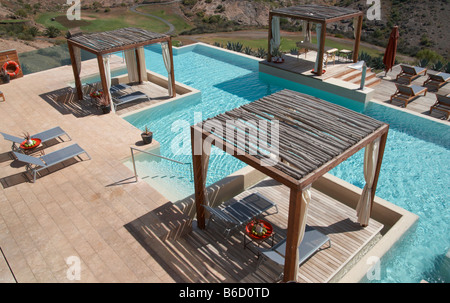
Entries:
{"x":423,"y":24}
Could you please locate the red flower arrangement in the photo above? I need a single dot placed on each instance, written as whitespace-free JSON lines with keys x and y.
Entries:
{"x":96,"y":94}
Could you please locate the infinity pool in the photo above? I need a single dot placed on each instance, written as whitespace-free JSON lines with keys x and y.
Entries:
{"x":415,"y":172}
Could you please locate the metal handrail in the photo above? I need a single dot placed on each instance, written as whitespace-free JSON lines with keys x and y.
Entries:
{"x":159,"y":156}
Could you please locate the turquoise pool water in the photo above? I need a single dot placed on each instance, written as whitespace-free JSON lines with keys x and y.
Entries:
{"x":415,"y":172}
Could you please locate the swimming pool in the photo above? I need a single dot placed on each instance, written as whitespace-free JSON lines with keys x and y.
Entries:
{"x":415,"y":172}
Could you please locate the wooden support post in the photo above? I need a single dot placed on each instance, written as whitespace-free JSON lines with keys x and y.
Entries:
{"x":172,"y":70}
{"x":138,"y":65}
{"x":323,"y":33}
{"x":76,"y":72}
{"x":358,"y":29}
{"x":383,"y":140}
{"x":295,"y":222}
{"x":269,"y":52}
{"x":101,"y":67}
{"x":200,"y":168}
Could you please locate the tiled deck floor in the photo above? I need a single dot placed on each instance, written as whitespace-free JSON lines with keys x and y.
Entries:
{"x":79,"y":210}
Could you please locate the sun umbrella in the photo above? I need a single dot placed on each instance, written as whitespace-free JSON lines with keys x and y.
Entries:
{"x":391,"y":50}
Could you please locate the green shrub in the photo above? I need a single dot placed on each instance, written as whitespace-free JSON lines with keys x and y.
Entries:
{"x":52,"y":32}
{"x":429,"y":55}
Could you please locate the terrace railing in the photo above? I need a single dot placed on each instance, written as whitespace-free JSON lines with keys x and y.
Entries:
{"x":132,"y":149}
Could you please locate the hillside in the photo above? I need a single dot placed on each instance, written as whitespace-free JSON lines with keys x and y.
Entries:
{"x":422,"y":23}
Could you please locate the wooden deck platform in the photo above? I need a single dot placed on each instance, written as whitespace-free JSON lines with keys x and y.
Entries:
{"x":208,"y":256}
{"x":339,"y":69}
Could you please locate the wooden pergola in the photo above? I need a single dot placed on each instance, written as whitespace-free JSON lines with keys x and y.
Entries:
{"x":103,"y":43}
{"x":311,"y":137}
{"x":322,"y":15}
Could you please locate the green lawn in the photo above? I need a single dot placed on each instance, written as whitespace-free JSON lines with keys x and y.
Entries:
{"x":103,"y":21}
{"x":166,"y":13}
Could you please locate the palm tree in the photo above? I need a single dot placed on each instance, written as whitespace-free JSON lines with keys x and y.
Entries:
{"x":52,"y":32}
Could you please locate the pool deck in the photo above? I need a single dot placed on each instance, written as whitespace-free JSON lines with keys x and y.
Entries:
{"x":91,"y":208}
{"x":420,"y":105}
{"x":76,"y":210}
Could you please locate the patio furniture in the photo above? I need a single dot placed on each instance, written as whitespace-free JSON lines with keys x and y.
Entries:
{"x":407,"y":93}
{"x":36,"y":164}
{"x":240,"y":212}
{"x":437,"y":80}
{"x":129,"y":98}
{"x":345,"y":53}
{"x":442,"y":104}
{"x":330,"y":56}
{"x":56,"y":132}
{"x":119,"y":87}
{"x":410,"y":73}
{"x":312,"y":241}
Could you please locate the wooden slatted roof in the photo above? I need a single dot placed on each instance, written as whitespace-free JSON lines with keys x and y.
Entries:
{"x":312,"y":132}
{"x":314,"y":136}
{"x":115,"y":40}
{"x":317,"y":13}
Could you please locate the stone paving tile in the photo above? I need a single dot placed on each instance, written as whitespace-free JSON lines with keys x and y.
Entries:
{"x":79,"y":208}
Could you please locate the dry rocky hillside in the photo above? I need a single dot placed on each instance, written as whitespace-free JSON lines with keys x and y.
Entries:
{"x":422,"y":23}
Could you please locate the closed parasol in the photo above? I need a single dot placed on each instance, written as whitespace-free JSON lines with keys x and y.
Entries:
{"x":391,"y":50}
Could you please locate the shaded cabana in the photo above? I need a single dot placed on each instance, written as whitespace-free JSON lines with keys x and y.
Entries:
{"x":321,"y":16}
{"x":129,"y":40}
{"x":295,"y":139}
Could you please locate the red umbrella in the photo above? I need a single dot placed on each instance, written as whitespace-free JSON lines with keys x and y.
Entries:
{"x":391,"y":50}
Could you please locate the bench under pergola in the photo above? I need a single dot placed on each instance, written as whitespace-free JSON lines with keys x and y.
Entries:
{"x":319,"y":14}
{"x":295,"y":139}
{"x":129,"y":40}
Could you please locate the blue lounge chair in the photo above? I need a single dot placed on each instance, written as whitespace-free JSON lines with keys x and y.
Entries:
{"x":443,"y":104}
{"x":129,"y":98}
{"x":312,"y":241}
{"x":407,"y":93}
{"x":36,"y":164}
{"x":56,"y":132}
{"x":437,"y":80}
{"x":410,"y":73}
{"x":240,"y":212}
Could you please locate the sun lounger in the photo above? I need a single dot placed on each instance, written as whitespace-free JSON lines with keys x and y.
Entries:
{"x":407,"y":93}
{"x":240,"y":212}
{"x":119,"y":87}
{"x":56,"y":132}
{"x":36,"y":164}
{"x":129,"y":98}
{"x":410,"y":73}
{"x":442,"y":104}
{"x":437,"y":80}
{"x":312,"y":241}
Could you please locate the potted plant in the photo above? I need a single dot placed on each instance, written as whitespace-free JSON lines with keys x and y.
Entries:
{"x":96,"y":94}
{"x":104,"y":103}
{"x":5,"y":76}
{"x":28,"y":141}
{"x":147,"y":136}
